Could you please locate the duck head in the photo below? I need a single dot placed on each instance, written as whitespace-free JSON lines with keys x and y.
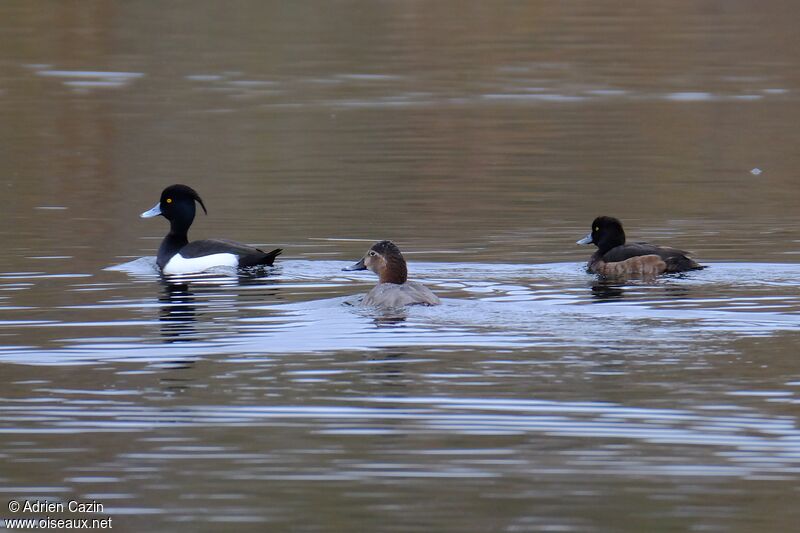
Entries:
{"x":385,"y":259}
{"x":177,"y":204}
{"x":607,"y":233}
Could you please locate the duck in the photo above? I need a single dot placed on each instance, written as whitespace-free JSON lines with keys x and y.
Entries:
{"x":393,"y":288}
{"x":177,"y":255}
{"x":615,"y":258}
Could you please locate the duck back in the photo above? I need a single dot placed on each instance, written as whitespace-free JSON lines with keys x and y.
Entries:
{"x":247,"y":255}
{"x":400,"y":295}
{"x":674,"y":260}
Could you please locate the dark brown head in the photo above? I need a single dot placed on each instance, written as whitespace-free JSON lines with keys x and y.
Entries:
{"x":607,"y":233}
{"x":385,"y":259}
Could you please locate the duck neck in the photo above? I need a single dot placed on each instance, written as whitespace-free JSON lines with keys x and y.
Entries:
{"x":170,"y":246}
{"x":177,"y":238}
{"x":395,"y":271}
{"x":179,"y":229}
{"x":596,"y":259}
{"x":609,"y":242}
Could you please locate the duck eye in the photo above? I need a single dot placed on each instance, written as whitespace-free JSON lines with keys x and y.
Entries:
{"x":372,"y":253}
{"x":168,"y":200}
{"x":597,"y":228}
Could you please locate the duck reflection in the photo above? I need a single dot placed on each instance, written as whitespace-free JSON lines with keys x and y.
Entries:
{"x":224,"y":298}
{"x":608,"y":291}
{"x":178,"y":385}
{"x":388,"y":372}
{"x":604,"y":291}
{"x":389,"y":318}
{"x":177,"y":313}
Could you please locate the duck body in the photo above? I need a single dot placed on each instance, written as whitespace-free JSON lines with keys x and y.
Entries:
{"x":393,"y":288}
{"x":177,"y":255}
{"x":641,"y":258}
{"x":615,"y":257}
{"x":400,"y":295}
{"x":198,"y":256}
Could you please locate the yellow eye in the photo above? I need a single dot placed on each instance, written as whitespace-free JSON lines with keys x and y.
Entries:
{"x":595,"y":228}
{"x":169,"y":200}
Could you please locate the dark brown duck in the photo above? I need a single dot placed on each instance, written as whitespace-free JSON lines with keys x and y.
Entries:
{"x":615,"y":258}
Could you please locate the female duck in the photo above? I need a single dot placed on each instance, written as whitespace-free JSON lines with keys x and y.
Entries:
{"x":615,"y":258}
{"x":393,"y":289}
{"x":177,"y":255}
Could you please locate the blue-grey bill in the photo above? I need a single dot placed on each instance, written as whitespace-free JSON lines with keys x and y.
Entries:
{"x":154,"y":212}
{"x":358,"y":266}
{"x":585,"y":240}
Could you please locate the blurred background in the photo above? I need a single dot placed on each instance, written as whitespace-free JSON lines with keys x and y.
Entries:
{"x":453,"y":125}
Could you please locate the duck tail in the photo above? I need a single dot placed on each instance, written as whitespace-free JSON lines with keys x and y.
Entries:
{"x":682,"y":263}
{"x":269,"y":257}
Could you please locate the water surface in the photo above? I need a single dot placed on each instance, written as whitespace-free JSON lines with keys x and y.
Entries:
{"x":483,"y":139}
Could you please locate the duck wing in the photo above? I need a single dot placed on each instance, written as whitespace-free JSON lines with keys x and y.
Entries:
{"x":392,"y":295}
{"x":248,"y":255}
{"x":676,"y":260}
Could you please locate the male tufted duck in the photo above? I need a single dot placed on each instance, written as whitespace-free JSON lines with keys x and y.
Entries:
{"x":177,"y":255}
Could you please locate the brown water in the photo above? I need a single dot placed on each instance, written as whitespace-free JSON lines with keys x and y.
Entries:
{"x":483,"y":137}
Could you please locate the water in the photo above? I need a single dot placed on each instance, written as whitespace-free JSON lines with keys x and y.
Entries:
{"x":483,"y":139}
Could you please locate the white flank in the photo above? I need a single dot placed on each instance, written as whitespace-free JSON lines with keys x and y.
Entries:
{"x":180,"y":265}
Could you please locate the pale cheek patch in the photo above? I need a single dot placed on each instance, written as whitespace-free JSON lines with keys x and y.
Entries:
{"x":180,"y":265}
{"x":375,"y":264}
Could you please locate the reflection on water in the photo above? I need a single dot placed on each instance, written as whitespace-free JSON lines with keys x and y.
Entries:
{"x":177,"y":313}
{"x":483,"y":137}
{"x":286,"y":381}
{"x":605,"y":291}
{"x":312,"y":306}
